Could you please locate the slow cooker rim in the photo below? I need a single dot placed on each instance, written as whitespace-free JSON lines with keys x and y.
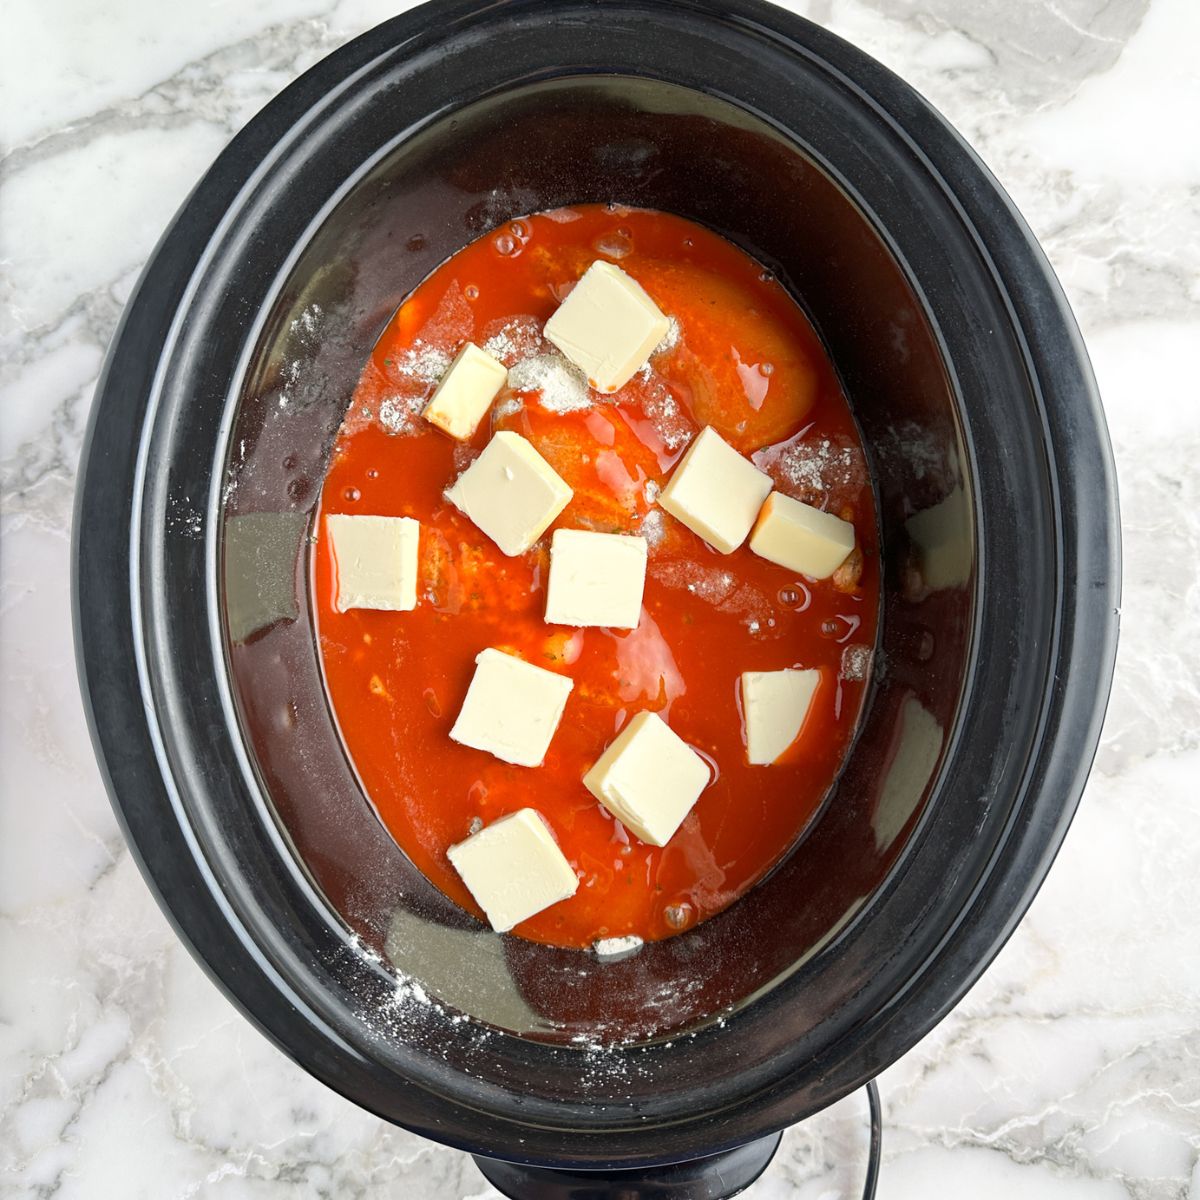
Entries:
{"x":94,"y":671}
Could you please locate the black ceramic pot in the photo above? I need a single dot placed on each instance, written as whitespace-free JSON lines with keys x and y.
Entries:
{"x":223,"y":390}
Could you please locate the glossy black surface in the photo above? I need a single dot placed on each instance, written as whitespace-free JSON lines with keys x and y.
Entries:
{"x":713,"y":1178}
{"x":939,"y":310}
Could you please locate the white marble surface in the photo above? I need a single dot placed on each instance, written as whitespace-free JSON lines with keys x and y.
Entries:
{"x":1071,"y":1072}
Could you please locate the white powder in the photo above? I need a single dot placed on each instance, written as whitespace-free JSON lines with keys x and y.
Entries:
{"x":670,"y":339}
{"x":307,"y":323}
{"x":663,"y":412}
{"x":422,"y":363}
{"x":813,"y":469}
{"x":401,"y":414}
{"x":464,"y":455}
{"x":913,"y":446}
{"x":707,"y":583}
{"x":614,"y":947}
{"x":183,"y":518}
{"x":409,"y":991}
{"x":856,"y":662}
{"x":651,"y":490}
{"x":409,"y":1006}
{"x":717,"y":587}
{"x":514,"y":339}
{"x":818,"y":466}
{"x":418,"y":367}
{"x":562,"y":387}
{"x":653,"y":526}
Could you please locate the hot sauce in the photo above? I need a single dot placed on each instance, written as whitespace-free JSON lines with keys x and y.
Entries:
{"x":741,"y":357}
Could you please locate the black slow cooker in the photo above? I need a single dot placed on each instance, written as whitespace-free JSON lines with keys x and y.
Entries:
{"x":222,"y":393}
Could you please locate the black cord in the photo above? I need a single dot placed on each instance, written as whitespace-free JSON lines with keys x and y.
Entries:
{"x":876,"y":1150}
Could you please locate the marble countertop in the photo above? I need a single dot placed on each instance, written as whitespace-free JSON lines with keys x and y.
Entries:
{"x":1070,"y":1072}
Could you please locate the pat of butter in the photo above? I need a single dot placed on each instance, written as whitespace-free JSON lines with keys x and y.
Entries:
{"x":774,"y":705}
{"x":466,"y":391}
{"x":595,"y":579}
{"x":512,"y":708}
{"x":607,"y":326}
{"x":716,"y":492}
{"x":514,"y":869}
{"x":802,"y":538}
{"x":511,"y":492}
{"x":375,"y":560}
{"x":649,"y":778}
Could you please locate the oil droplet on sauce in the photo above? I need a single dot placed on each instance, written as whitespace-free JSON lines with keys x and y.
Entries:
{"x":796,"y":596}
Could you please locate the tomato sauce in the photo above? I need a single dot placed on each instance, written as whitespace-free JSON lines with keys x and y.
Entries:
{"x":741,"y":357}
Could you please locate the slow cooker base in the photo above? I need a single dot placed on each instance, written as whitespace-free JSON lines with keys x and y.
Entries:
{"x":716,"y":1177}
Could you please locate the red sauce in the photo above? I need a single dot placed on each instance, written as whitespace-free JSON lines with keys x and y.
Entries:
{"x":748,"y":363}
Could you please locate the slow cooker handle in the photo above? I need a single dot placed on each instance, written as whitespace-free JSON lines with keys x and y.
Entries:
{"x":716,"y":1177}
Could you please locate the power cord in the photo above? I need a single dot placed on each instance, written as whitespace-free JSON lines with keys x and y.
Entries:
{"x":875,"y":1153}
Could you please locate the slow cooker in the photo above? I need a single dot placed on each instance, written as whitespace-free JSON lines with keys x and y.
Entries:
{"x":222,"y":393}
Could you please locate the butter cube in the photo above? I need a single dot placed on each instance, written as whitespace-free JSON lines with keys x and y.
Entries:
{"x":465,"y":392}
{"x":512,"y":708}
{"x":514,"y":869}
{"x":802,"y":538}
{"x":649,"y":778}
{"x":607,"y":326}
{"x":511,"y":492}
{"x":595,"y":579}
{"x":774,"y":705}
{"x":375,"y":560}
{"x":716,"y":492}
